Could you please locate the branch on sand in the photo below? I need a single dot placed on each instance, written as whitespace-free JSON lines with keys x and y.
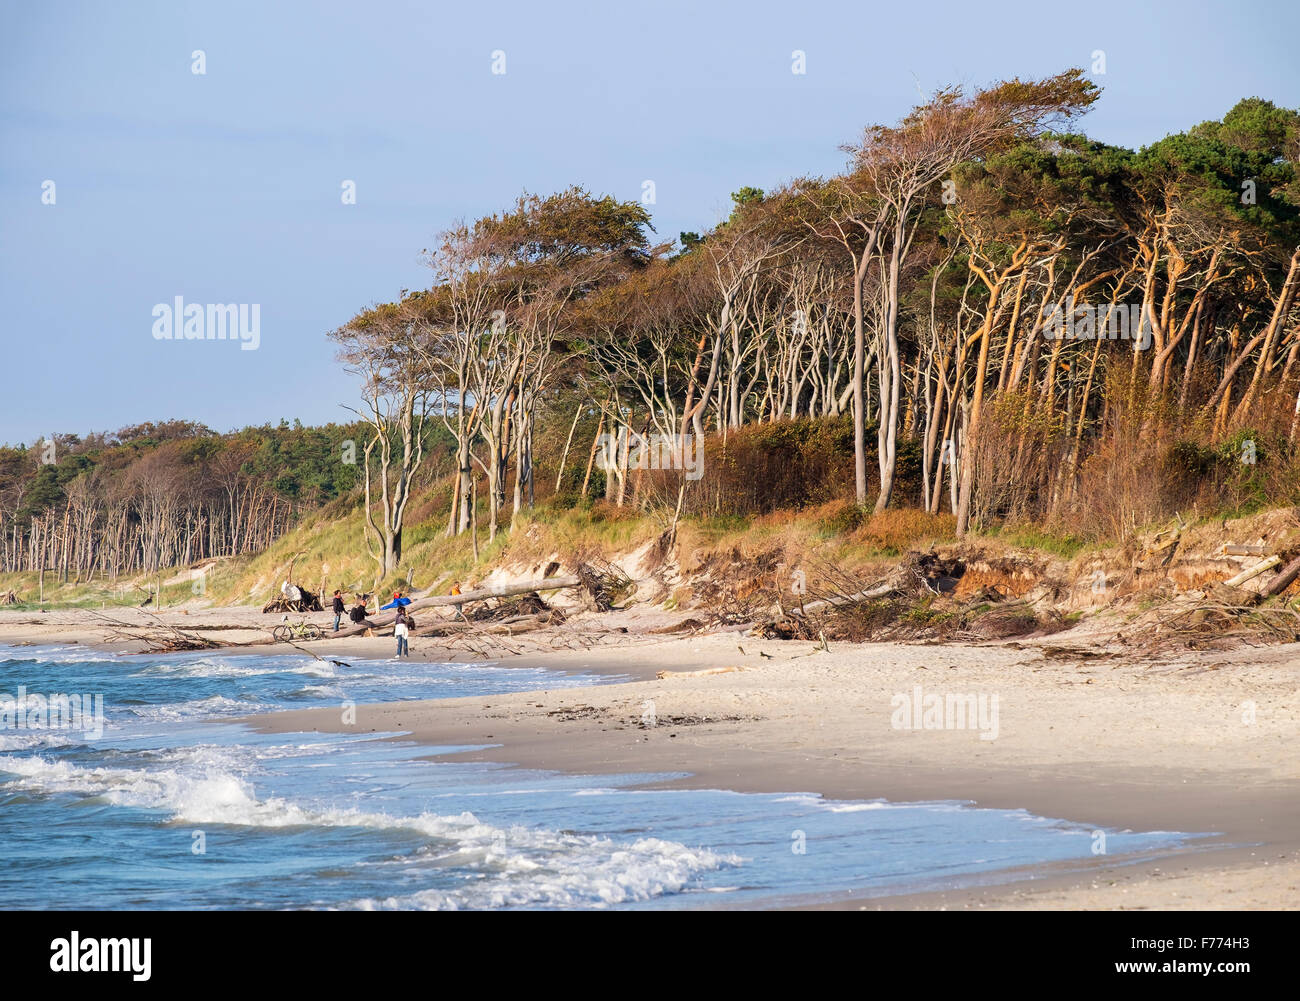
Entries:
{"x":160,"y":636}
{"x":511,"y":626}
{"x":1211,"y":621}
{"x":1253,"y":572}
{"x":836,"y":590}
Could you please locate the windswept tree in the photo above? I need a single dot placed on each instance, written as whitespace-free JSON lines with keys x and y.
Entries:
{"x":458,"y":310}
{"x":905,"y":166}
{"x":509,"y":283}
{"x":737,"y":255}
{"x":379,"y":345}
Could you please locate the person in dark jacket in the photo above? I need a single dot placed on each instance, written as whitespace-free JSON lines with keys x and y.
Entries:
{"x":358,"y":613}
{"x":339,"y":609}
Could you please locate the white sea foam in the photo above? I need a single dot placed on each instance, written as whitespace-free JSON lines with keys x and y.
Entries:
{"x":230,"y":667}
{"x":519,"y":866}
{"x":594,"y":872}
{"x":56,"y":654}
{"x":320,"y":691}
{"x":212,"y":706}
{"x":837,"y":806}
{"x":25,"y":740}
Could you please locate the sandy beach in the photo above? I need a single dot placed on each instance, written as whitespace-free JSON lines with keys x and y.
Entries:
{"x":1197,"y":742}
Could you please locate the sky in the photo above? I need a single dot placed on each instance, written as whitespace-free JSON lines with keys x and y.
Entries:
{"x":227,"y":186}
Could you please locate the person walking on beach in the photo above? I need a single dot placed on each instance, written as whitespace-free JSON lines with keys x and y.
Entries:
{"x":401,"y":630}
{"x":339,"y":609}
{"x":457,"y":607}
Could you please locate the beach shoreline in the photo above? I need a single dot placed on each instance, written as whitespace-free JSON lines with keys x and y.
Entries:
{"x":1121,"y":743}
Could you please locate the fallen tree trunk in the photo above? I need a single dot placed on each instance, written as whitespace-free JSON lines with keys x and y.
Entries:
{"x":479,"y":594}
{"x":879,"y":591}
{"x":1232,"y":549}
{"x":1284,"y":578}
{"x":1254,"y":571}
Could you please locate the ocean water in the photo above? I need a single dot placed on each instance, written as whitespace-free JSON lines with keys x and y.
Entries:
{"x":169,"y":807}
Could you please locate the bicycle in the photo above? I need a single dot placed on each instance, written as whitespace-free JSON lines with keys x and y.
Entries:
{"x":296,"y":631}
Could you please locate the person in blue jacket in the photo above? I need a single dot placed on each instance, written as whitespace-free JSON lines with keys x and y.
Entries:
{"x":397,"y":601}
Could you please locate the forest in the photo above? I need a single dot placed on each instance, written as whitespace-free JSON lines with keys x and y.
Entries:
{"x":987,"y":315}
{"x":164,"y":494}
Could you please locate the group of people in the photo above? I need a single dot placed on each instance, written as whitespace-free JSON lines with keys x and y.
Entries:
{"x":357,"y":615}
{"x":402,"y":625}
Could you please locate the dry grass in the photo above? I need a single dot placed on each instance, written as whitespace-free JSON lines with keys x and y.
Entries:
{"x":896,"y":531}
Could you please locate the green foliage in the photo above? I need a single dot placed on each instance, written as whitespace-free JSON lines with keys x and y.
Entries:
{"x":689,"y":241}
{"x":1188,"y":459}
{"x":1244,"y":447}
{"x":921,"y":614}
{"x":304,"y":464}
{"x":560,"y":229}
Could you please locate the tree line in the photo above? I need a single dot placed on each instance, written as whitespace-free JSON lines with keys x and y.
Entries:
{"x":162,"y":494}
{"x":1036,"y":324}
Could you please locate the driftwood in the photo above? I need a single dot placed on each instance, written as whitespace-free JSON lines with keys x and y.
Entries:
{"x":605,"y":582}
{"x":1232,"y":549}
{"x":1253,"y":572}
{"x":506,"y":627}
{"x":1284,"y":578}
{"x":1159,"y":552}
{"x":442,"y":600}
{"x":665,"y":675}
{"x":308,"y":603}
{"x":918,"y":573}
{"x":525,"y":604}
{"x":161,"y":637}
{"x":871,"y":594}
{"x":1216,"y":621}
{"x":805,"y":622}
{"x":1220,"y":593}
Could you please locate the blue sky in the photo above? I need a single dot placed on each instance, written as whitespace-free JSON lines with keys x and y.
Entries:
{"x":225,"y":187}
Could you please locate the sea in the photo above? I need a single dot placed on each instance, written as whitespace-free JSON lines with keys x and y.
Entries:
{"x":152,"y":798}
